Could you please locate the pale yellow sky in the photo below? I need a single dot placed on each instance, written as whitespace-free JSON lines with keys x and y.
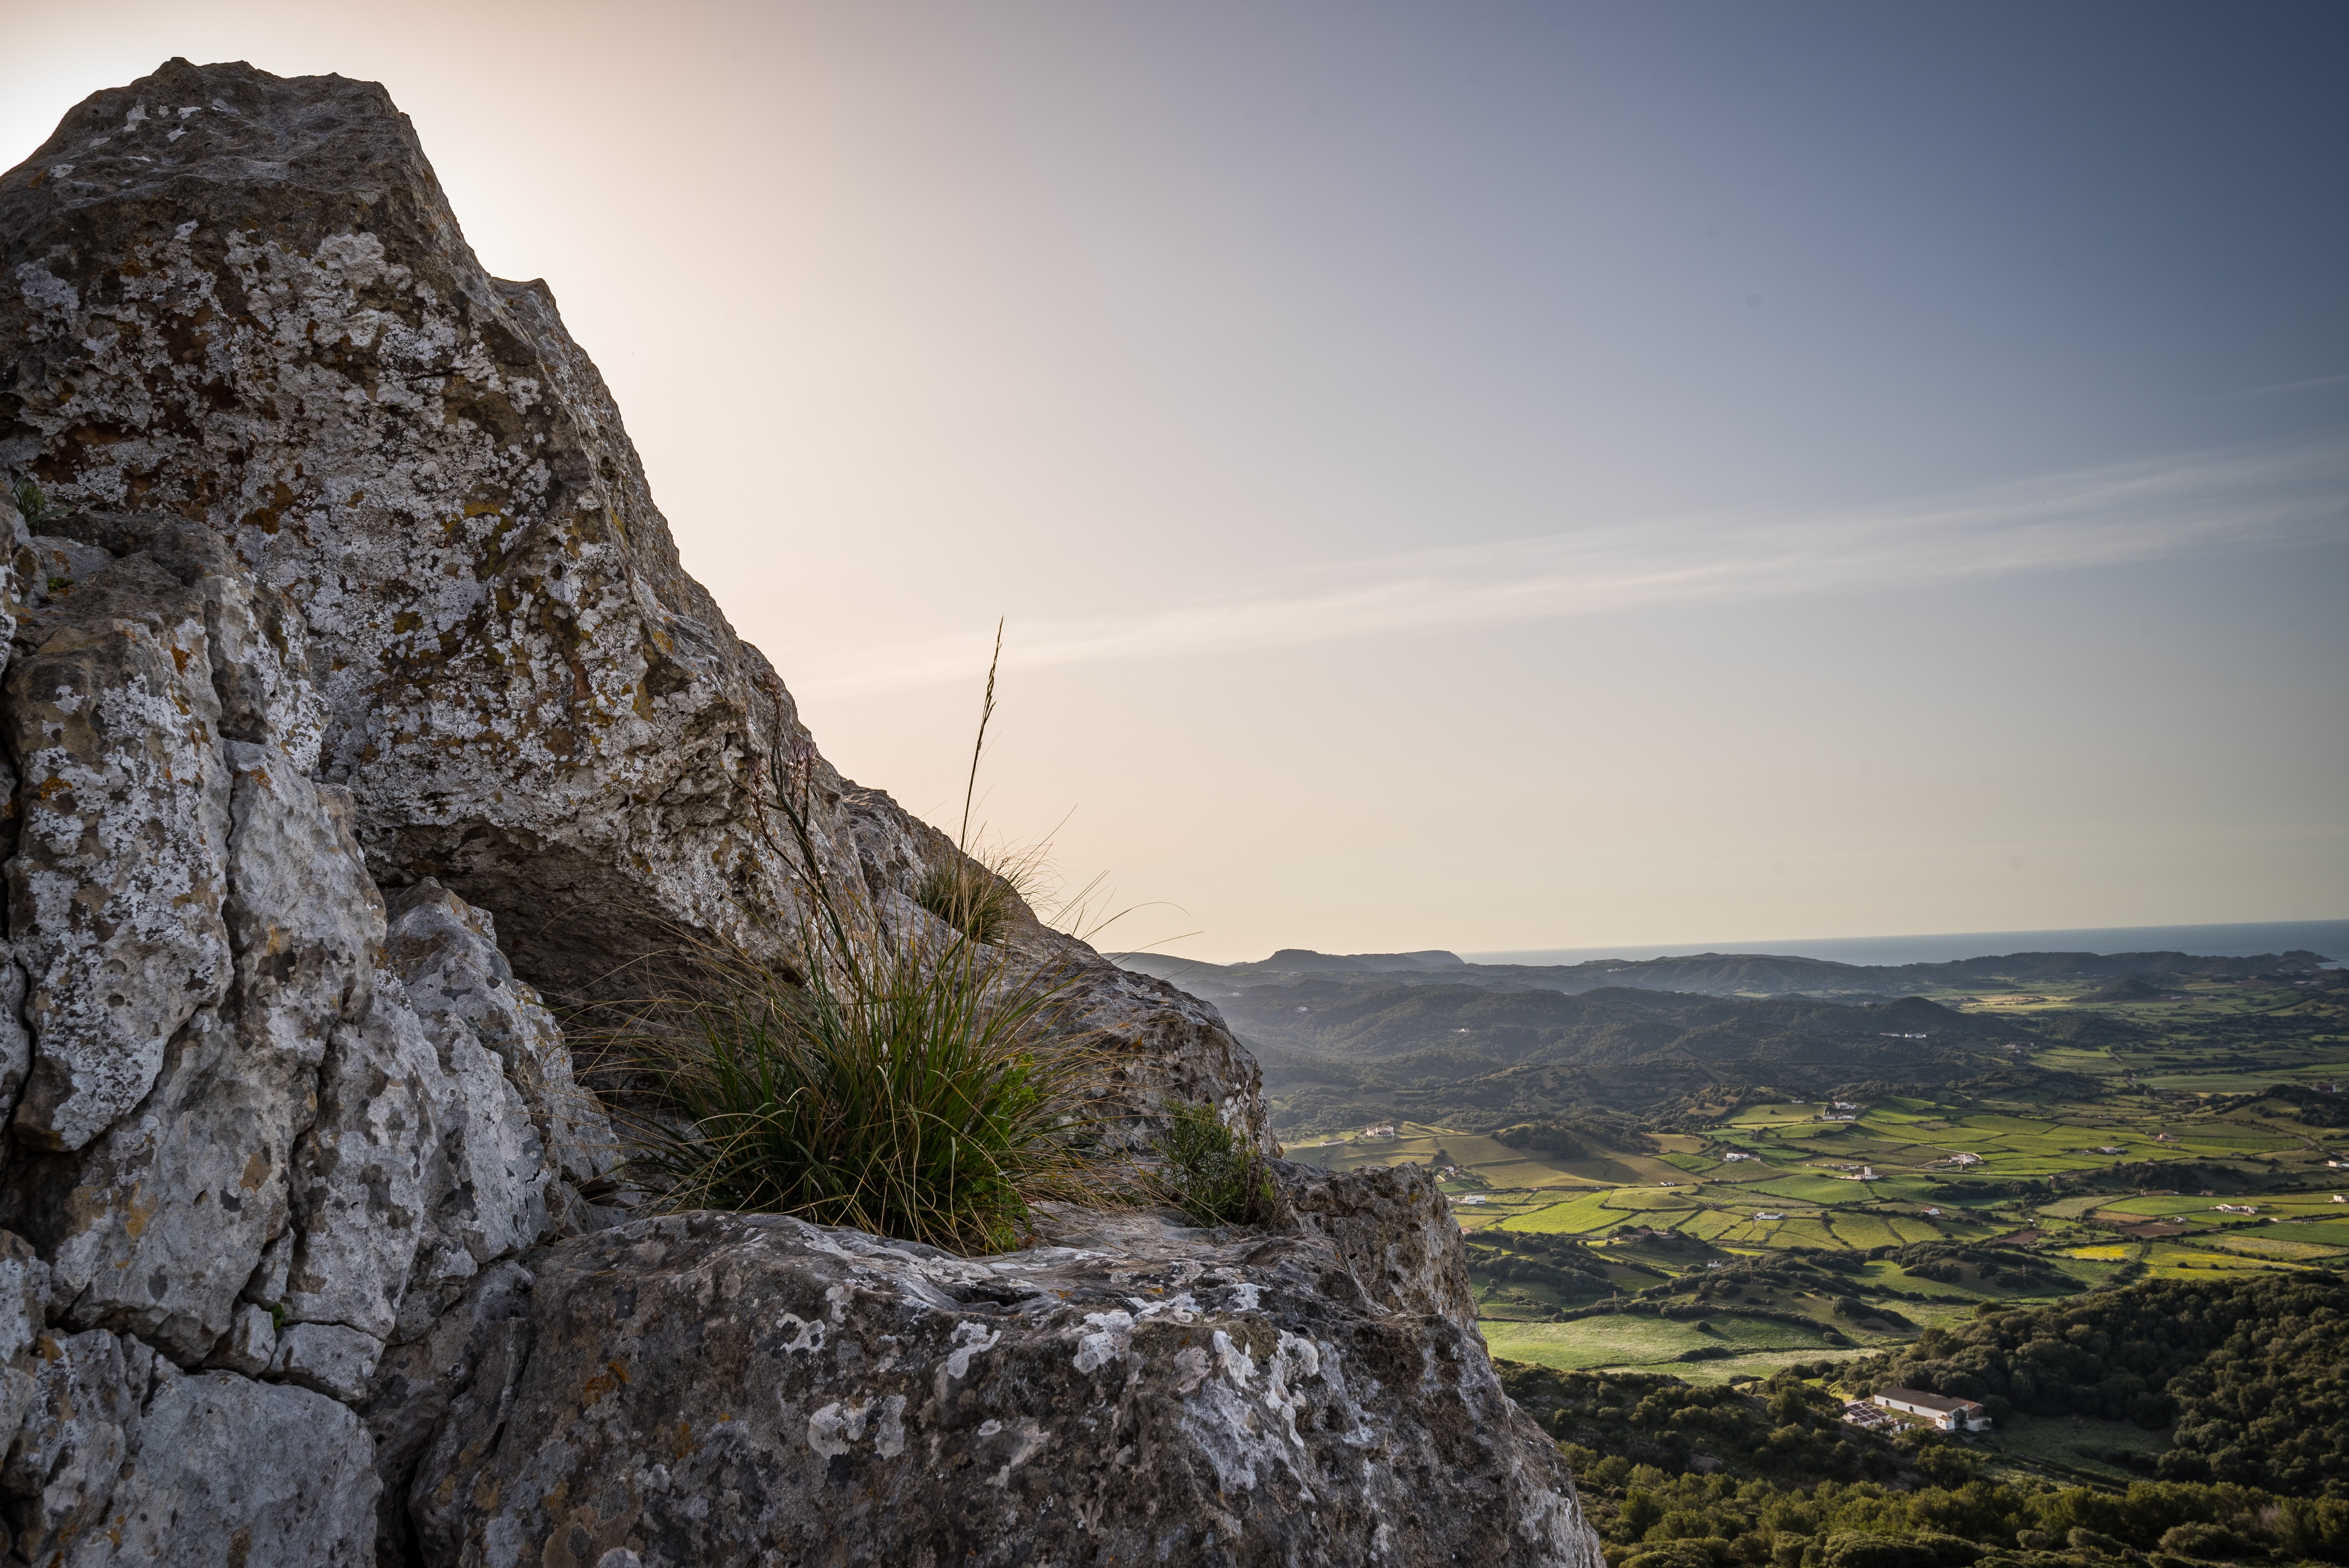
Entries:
{"x":1490,"y":476}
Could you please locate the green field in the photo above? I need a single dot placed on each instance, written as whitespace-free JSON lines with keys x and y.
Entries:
{"x":2075,"y":1444}
{"x":1648,"y":1342}
{"x":2073,"y":1189}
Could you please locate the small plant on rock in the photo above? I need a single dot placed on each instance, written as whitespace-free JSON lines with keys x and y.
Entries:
{"x":912,"y":1084}
{"x":1210,"y":1172}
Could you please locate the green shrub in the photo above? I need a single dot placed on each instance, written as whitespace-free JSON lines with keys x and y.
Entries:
{"x":2195,"y":1539}
{"x":902,"y":1093}
{"x":968,"y":896}
{"x":1210,"y":1172}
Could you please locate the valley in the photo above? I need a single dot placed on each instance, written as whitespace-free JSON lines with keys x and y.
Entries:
{"x":1724,"y":1186}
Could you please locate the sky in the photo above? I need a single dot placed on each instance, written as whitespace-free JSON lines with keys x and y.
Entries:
{"x":1487,"y":475}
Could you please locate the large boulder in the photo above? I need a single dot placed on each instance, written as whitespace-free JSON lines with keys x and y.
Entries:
{"x":725,"y":1388}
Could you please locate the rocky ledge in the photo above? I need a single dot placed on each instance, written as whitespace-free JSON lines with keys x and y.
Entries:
{"x":356,"y":713}
{"x":739,"y":1389}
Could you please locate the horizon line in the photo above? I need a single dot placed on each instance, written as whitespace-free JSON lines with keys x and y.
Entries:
{"x":1759,"y":947}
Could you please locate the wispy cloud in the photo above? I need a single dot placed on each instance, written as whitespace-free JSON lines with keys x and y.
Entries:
{"x":2104,"y":517}
{"x":2309,"y":385}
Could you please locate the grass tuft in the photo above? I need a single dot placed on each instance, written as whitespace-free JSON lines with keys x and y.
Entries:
{"x":901,"y":1091}
{"x":916,"y":1083}
{"x":1210,"y":1172}
{"x":977,"y":898}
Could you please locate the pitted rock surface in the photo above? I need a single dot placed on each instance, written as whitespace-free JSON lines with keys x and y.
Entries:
{"x":713,"y":1389}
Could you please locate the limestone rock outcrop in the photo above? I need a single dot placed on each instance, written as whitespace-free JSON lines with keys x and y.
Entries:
{"x":242,"y":301}
{"x":356,"y":714}
{"x":736,"y":1388}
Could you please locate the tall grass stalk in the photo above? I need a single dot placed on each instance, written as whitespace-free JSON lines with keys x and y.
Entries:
{"x":913,"y":1084}
{"x":981,"y":892}
{"x":978,"y":895}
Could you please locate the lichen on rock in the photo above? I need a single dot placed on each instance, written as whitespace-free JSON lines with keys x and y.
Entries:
{"x":738,"y":1389}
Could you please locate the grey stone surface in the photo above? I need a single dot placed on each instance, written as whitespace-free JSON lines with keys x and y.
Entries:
{"x":160,"y":1221}
{"x":250,"y":1345}
{"x":446,"y":953}
{"x":418,"y":1379}
{"x":155,"y":1227}
{"x":121,"y":860}
{"x":16,"y":1044}
{"x":1392,"y":1228}
{"x":230,"y":1473}
{"x":326,"y":1356}
{"x":711,"y":1389}
{"x":24,"y":1306}
{"x":74,"y":1442}
{"x":364,"y":1178}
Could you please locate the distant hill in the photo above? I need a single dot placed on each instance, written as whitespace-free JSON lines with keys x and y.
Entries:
{"x":1334,"y":1053}
{"x":1346,"y":1038}
{"x":1718,"y":974}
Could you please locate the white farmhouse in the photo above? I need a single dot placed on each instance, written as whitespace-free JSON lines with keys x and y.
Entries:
{"x":1949,"y":1415}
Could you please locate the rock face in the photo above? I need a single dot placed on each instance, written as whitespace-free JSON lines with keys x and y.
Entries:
{"x":354,"y":703}
{"x":242,"y":301}
{"x":738,"y":1389}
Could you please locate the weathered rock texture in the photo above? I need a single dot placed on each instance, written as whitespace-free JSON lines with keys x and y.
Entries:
{"x":353,"y":702}
{"x":731,"y":1388}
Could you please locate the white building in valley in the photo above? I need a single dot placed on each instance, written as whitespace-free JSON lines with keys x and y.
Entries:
{"x":1949,"y":1415}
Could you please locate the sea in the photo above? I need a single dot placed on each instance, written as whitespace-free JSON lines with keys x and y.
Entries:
{"x":2247,"y":939}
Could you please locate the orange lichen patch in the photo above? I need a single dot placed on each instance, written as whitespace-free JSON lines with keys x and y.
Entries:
{"x":180,"y":660}
{"x":596,"y":1387}
{"x":265,"y":517}
{"x":136,"y":1214}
